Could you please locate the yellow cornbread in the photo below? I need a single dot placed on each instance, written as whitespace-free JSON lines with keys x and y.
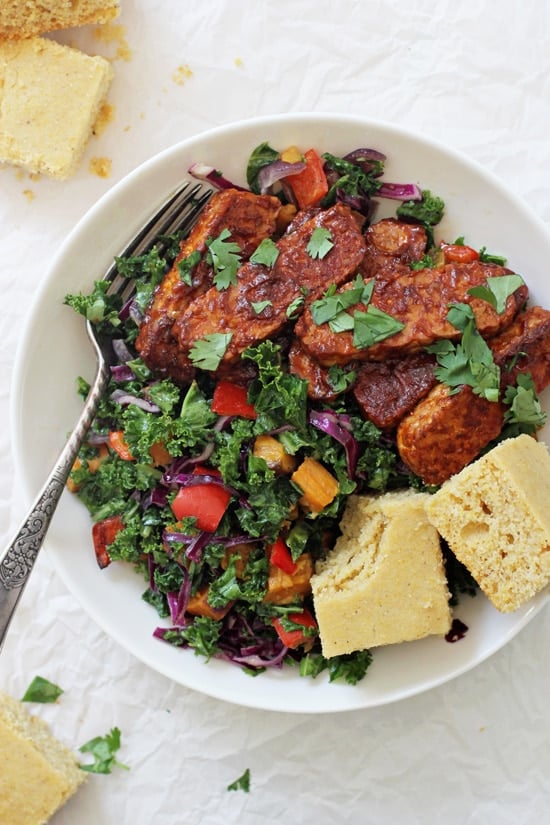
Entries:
{"x":495,"y":516}
{"x":384,"y":581}
{"x":25,"y":18}
{"x":50,"y":97}
{"x":37,"y":772}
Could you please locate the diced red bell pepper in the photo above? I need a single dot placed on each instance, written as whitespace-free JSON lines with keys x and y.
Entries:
{"x":280,"y":556}
{"x":205,"y":502}
{"x":295,"y":638}
{"x":310,"y":185}
{"x":118,"y":444}
{"x":232,"y":399}
{"x":104,"y":533}
{"x":456,"y":253}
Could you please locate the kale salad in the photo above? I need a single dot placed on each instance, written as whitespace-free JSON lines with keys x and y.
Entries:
{"x":223,"y":494}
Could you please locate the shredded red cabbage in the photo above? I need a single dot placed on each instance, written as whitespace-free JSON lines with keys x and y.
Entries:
{"x":337,"y":426}
{"x":273,"y":172}
{"x":202,"y":171}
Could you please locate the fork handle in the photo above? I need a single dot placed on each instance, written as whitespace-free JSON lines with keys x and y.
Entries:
{"x":17,"y":561}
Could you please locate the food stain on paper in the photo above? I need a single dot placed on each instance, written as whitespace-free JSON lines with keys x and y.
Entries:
{"x":114,"y":33}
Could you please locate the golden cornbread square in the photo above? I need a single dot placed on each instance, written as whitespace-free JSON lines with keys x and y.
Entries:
{"x":38,"y":773}
{"x":50,"y":97}
{"x":495,"y":516}
{"x":25,"y":18}
{"x":384,"y":581}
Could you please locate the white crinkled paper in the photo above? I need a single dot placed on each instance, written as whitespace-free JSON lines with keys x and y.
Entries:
{"x":475,"y":76}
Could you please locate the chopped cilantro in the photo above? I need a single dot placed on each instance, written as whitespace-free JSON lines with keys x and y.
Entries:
{"x":266,"y":253}
{"x":259,"y":306}
{"x":320,"y":242}
{"x":225,"y":258}
{"x":294,"y":307}
{"x":498,"y":290}
{"x":242,"y":783}
{"x":333,"y":303}
{"x":372,"y":326}
{"x":524,"y":408}
{"x":103,"y":750}
{"x":41,"y":690}
{"x":207,"y":352}
{"x":468,"y":362}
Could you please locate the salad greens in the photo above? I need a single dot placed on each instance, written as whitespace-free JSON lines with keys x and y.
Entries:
{"x":155,"y":449}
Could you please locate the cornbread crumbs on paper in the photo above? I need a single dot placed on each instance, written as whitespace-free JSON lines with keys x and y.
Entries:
{"x":106,"y":115}
{"x":182,"y":74}
{"x":29,"y":194}
{"x":239,"y":63}
{"x":115,"y":33}
{"x":101,"y":167}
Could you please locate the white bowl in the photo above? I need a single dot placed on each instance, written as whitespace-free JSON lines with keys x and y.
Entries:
{"x":54,"y":350}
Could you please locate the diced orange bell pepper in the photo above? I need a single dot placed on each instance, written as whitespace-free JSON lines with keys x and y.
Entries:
{"x":118,"y":444}
{"x":310,"y":185}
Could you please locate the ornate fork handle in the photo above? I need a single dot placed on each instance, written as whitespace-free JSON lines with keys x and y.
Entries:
{"x":18,"y":559}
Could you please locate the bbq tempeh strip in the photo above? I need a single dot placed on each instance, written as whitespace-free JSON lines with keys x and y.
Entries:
{"x":250,"y":219}
{"x":420,"y":300}
{"x":445,"y":432}
{"x":296,"y":276}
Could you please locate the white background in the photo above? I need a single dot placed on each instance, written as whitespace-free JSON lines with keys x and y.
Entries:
{"x":474,"y":75}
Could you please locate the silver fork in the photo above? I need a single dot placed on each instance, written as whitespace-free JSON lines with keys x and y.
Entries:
{"x":178,"y":213}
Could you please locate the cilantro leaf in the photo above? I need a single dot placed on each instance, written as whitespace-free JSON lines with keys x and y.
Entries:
{"x":242,"y":783}
{"x":498,"y":290}
{"x":41,"y":690}
{"x":333,"y":303}
{"x":524,"y":408}
{"x":103,"y":749}
{"x":470,"y":361}
{"x":206,"y":353}
{"x":259,"y":306}
{"x":320,"y":243}
{"x":266,"y":253}
{"x":225,"y":259}
{"x":372,"y":326}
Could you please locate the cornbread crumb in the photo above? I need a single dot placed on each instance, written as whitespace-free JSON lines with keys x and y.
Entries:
{"x":101,"y":167}
{"x":38,"y":772}
{"x":26,"y":18}
{"x":29,"y":194}
{"x":384,"y":581}
{"x":495,"y":516}
{"x":182,"y":74}
{"x":50,"y":96}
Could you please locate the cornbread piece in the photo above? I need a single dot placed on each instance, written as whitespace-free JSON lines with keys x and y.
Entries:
{"x":494,"y":515}
{"x":38,"y":772}
{"x":25,"y":18}
{"x":384,"y":581}
{"x":50,"y":96}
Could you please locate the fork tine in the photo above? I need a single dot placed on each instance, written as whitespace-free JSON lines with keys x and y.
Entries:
{"x":178,"y":212}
